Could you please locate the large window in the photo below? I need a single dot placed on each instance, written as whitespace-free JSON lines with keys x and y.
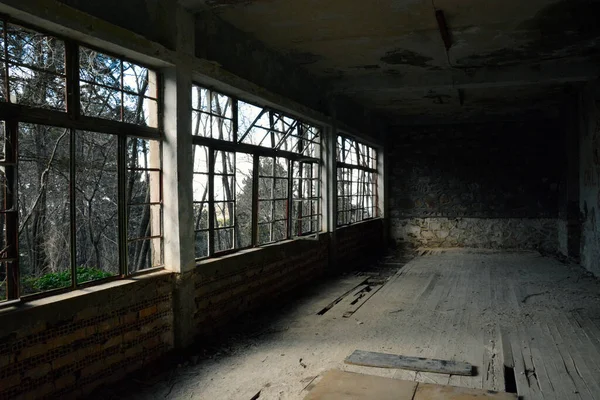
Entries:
{"x":356,"y":181}
{"x":256,"y":174}
{"x":80,"y":167}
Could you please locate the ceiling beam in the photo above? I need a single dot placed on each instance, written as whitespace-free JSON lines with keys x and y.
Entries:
{"x":548,"y":72}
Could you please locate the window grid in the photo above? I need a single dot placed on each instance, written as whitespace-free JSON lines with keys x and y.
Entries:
{"x":212,"y":114}
{"x":356,"y":181}
{"x":273,"y":200}
{"x":42,"y":71}
{"x":269,"y":199}
{"x":306,"y":213}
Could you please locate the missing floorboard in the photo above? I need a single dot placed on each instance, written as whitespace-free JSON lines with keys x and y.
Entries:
{"x":333,"y":303}
{"x":510,"y":381}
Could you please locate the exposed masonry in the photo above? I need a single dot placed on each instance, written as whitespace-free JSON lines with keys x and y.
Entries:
{"x":238,"y":286}
{"x":479,"y":185}
{"x":359,"y":243}
{"x":495,"y":233}
{"x":71,"y":346}
{"x":80,"y":345}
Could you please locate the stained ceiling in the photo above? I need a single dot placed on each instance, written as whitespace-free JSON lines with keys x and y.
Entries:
{"x":505,"y":56}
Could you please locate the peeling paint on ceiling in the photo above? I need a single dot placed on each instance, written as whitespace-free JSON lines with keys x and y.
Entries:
{"x":392,"y":41}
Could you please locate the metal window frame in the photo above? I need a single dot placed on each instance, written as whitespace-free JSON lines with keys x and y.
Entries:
{"x":366,"y":163}
{"x":71,"y":118}
{"x":274,"y":150}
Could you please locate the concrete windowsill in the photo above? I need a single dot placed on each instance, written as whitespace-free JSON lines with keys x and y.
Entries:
{"x":262,"y":248}
{"x":43,"y":301}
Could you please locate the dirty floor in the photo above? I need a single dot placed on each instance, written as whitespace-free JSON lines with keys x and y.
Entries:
{"x":519,"y":315}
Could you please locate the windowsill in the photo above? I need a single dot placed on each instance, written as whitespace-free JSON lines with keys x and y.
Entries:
{"x":264,"y":247}
{"x":22,"y":305}
{"x":365,"y":221}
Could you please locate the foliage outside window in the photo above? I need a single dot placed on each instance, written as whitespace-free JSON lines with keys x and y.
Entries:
{"x":356,"y":181}
{"x":80,"y":177}
{"x":256,"y":174}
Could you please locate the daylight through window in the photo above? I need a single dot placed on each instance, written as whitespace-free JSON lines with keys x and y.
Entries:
{"x":256,"y":174}
{"x":356,"y":181}
{"x":81,"y":200}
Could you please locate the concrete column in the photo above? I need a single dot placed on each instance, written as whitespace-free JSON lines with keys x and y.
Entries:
{"x":177,"y":152}
{"x":329,"y":158}
{"x":177,"y":167}
{"x":383,"y":183}
{"x":178,"y":174}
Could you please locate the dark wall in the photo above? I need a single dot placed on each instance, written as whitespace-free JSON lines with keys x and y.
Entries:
{"x":490,"y":171}
{"x":153,"y":19}
{"x":477,"y":185}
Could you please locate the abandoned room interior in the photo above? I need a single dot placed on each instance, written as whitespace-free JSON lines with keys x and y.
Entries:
{"x":277,"y":199}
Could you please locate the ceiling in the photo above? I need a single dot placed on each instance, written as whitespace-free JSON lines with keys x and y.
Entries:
{"x":506,"y":56}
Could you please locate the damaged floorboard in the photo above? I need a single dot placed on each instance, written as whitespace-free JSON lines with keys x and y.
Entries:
{"x":535,"y":314}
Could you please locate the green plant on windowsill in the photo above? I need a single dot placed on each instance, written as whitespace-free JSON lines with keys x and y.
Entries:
{"x":57,"y":280}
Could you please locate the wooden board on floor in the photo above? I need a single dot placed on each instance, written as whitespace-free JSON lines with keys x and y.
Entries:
{"x":341,"y":385}
{"x":382,"y":360}
{"x":428,"y":391}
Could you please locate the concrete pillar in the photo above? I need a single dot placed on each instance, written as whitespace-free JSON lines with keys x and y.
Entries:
{"x":178,"y":174}
{"x":177,"y":171}
{"x":329,"y":159}
{"x":177,"y":153}
{"x":383,"y":183}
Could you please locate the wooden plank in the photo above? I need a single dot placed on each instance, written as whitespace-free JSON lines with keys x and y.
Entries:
{"x":341,"y":385}
{"x":427,"y":391}
{"x":382,"y":360}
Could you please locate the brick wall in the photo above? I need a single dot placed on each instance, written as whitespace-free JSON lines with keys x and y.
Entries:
{"x":225,"y":288}
{"x":71,"y":343}
{"x":483,"y":185}
{"x":359,"y":243}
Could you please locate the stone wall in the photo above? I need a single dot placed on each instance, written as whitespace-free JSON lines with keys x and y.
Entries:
{"x":495,"y":233}
{"x":480,"y":185}
{"x":70,"y":344}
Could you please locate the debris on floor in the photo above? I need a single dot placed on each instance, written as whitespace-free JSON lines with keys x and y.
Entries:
{"x":382,"y":360}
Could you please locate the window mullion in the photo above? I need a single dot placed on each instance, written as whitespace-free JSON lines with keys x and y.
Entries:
{"x":122,"y":92}
{"x":122,"y":203}
{"x":255,"y":178}
{"x":300,"y":198}
{"x":290,"y":207}
{"x":72,"y":209}
{"x":12,"y":218}
{"x":235,"y":204}
{"x":273,"y":179}
{"x":5,"y":67}
{"x":211,"y":201}
{"x":72,"y":76}
{"x":234,"y":123}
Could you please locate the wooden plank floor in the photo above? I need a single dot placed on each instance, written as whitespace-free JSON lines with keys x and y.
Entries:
{"x":537,"y":315}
